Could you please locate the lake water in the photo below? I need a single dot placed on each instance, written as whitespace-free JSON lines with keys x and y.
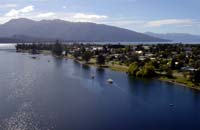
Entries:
{"x":60,"y":95}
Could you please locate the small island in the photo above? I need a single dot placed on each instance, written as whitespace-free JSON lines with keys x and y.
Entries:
{"x":175,"y":63}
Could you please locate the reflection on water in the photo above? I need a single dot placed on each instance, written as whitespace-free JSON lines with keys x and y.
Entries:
{"x":48,"y":93}
{"x":7,"y":46}
{"x":86,"y":67}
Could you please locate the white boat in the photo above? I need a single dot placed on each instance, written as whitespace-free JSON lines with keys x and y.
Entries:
{"x":110,"y":81}
{"x":92,"y":76}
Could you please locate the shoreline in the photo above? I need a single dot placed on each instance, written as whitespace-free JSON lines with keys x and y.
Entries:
{"x":172,"y":81}
{"x":106,"y":66}
{"x":120,"y":68}
{"x":160,"y":78}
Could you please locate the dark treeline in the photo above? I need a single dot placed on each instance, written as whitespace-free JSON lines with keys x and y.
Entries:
{"x":49,"y":46}
{"x":35,"y":48}
{"x":38,"y":46}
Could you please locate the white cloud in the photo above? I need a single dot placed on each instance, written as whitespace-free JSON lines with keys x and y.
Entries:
{"x":88,"y":17}
{"x":159,"y":23}
{"x":45,"y":15}
{"x":27,"y":9}
{"x":40,"y":0}
{"x":73,"y":17}
{"x":8,"y":6}
{"x":64,"y":7}
{"x":126,"y":22}
{"x":12,"y":13}
{"x":15,"y":13}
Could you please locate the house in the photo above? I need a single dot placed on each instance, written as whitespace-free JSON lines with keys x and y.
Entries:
{"x":139,"y":52}
{"x":187,"y":68}
{"x":97,"y":48}
{"x":149,"y":55}
{"x":141,"y":58}
{"x":146,"y":47}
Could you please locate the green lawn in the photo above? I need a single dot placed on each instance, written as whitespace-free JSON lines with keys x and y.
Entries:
{"x":181,"y":80}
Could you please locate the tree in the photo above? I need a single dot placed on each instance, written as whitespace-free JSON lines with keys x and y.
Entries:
{"x":195,"y":76}
{"x":197,"y":64}
{"x":149,"y":70}
{"x":33,"y":49}
{"x":140,"y":73}
{"x":66,"y":52}
{"x":133,"y":69}
{"x":146,"y":71}
{"x":86,"y":56}
{"x":155,"y":64}
{"x":133,"y":58}
{"x":179,"y":65}
{"x":181,"y":56}
{"x":76,"y":54}
{"x":57,"y":49}
{"x":173,"y":65}
{"x":101,"y":59}
{"x":167,"y":70}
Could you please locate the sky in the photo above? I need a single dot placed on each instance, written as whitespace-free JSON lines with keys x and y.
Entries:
{"x":159,"y":16}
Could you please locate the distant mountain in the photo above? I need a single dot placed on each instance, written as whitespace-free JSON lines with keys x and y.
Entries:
{"x":24,"y":39}
{"x":72,"y":31}
{"x":10,"y":40}
{"x":176,"y":37}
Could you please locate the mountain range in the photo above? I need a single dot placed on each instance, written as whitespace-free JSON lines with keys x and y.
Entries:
{"x":176,"y":37}
{"x":26,"y":30}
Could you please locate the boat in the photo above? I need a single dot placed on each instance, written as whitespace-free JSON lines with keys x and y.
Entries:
{"x":110,"y":81}
{"x":92,"y":76}
{"x":33,"y":57}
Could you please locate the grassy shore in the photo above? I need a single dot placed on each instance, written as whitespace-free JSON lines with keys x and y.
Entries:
{"x":181,"y":81}
{"x":119,"y":68}
{"x":92,"y":62}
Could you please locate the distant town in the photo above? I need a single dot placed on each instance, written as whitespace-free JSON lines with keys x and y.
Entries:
{"x":176,"y":63}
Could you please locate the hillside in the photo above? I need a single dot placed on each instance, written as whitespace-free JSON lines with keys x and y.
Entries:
{"x":72,"y":31}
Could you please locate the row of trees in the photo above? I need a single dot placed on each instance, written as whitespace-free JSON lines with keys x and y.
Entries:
{"x":57,"y":48}
{"x":196,"y":76}
{"x":87,"y":55}
{"x":145,"y":71}
{"x":148,"y":71}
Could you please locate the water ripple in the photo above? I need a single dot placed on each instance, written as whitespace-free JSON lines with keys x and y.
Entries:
{"x":23,"y":119}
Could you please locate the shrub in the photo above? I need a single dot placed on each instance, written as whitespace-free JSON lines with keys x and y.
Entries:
{"x":133,"y":69}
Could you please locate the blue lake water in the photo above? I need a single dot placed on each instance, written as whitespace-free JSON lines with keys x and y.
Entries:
{"x":60,"y":95}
